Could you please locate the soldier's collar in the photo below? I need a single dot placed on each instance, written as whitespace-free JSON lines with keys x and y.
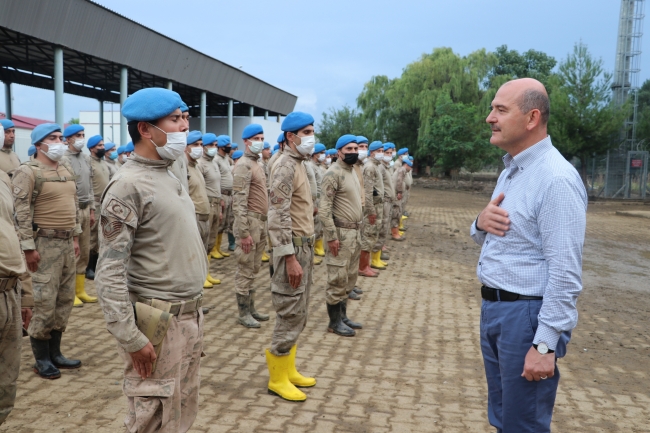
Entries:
{"x":163,"y":163}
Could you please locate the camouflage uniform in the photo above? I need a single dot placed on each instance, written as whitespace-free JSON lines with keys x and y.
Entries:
{"x":250,"y":208}
{"x":101,"y":177}
{"x":112,"y":167}
{"x":291,"y":228}
{"x":374,"y":194}
{"x":199,"y":196}
{"x":179,"y":169}
{"x":56,"y":213}
{"x":12,"y":265}
{"x":341,"y":215}
{"x":82,"y":168}
{"x":407,"y":192}
{"x":210,"y":172}
{"x":9,"y":161}
{"x":223,"y":164}
{"x":399,"y":178}
{"x":389,"y":197}
{"x":318,"y":177}
{"x":150,"y":249}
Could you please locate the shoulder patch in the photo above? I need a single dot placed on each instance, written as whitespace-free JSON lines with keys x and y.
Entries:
{"x":238,"y":182}
{"x":118,"y":209}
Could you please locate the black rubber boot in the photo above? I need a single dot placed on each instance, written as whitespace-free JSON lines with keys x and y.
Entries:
{"x":271,"y":270}
{"x":257,"y":316}
{"x":344,"y":316}
{"x":55,"y":353}
{"x":352,"y":295}
{"x":384,"y":255}
{"x":358,"y":291}
{"x":245,"y":318}
{"x":43,"y":366}
{"x":92,"y":264}
{"x":231,"y":242}
{"x":336,"y":324}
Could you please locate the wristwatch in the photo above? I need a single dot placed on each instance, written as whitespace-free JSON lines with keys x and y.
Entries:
{"x":543,"y":349}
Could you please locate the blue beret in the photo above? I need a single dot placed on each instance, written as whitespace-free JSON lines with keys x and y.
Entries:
{"x":276,"y":147}
{"x":252,"y":130}
{"x":150,"y":104}
{"x":129,"y":147}
{"x":296,"y":120}
{"x":184,"y":107}
{"x":120,"y":150}
{"x":402,"y":151}
{"x":109,"y":146}
{"x":234,"y":145}
{"x":223,"y":140}
{"x":72,"y":130}
{"x":361,"y":139}
{"x":408,"y":162}
{"x":330,"y":152}
{"x":194,"y":136}
{"x":209,"y":138}
{"x":375,"y":145}
{"x":389,"y":145}
{"x":320,"y":147}
{"x":94,"y":141}
{"x":281,"y":137}
{"x":43,"y":130}
{"x":267,"y":145}
{"x":410,"y":157}
{"x":345,"y":140}
{"x":31,"y":151}
{"x":6,"y":123}
{"x":237,"y":154}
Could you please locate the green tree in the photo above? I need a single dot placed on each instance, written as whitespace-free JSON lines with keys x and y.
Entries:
{"x":531,"y":64}
{"x":73,"y":121}
{"x":336,"y":123}
{"x":583,"y":119}
{"x":643,"y":116}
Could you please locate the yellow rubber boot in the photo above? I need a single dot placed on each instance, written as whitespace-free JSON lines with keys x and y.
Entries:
{"x":279,"y":383}
{"x":404,"y":217}
{"x":214,"y":253}
{"x":218,"y":246}
{"x":376,"y":262}
{"x":296,"y":378}
{"x":209,"y":279}
{"x":318,"y":248}
{"x":317,"y":260}
{"x":401,"y":225}
{"x":265,"y":257}
{"x":77,"y":302}
{"x":80,"y":290}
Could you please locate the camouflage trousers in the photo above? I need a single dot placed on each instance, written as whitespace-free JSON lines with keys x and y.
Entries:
{"x":290,"y":304}
{"x":168,"y":401}
{"x":213,"y":223}
{"x":84,"y":241}
{"x":204,"y":230}
{"x":53,"y":285}
{"x":370,"y":232}
{"x":11,"y":334}
{"x":318,"y":226}
{"x":384,"y":229}
{"x":228,"y":217}
{"x":248,"y":265}
{"x":94,"y":238}
{"x":342,"y":270}
{"x":396,"y":213}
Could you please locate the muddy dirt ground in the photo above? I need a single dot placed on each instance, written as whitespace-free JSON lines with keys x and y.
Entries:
{"x":416,"y":366}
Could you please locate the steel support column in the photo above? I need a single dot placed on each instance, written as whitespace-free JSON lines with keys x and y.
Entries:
{"x":204,"y":98}
{"x":230,"y":109}
{"x":266,"y":115}
{"x":58,"y":86}
{"x":8,"y":108}
{"x":101,"y":118}
{"x":251,"y":112}
{"x":168,"y":85}
{"x":124,"y":93}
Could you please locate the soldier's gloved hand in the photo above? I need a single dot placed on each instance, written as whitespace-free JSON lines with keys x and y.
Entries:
{"x":32,"y":257}
{"x":77,"y":250}
{"x":92,"y":218}
{"x":143,"y":360}
{"x":247,"y":244}
{"x":334,"y":247}
{"x":26,"y":313}
{"x":372,"y":219}
{"x":294,"y":271}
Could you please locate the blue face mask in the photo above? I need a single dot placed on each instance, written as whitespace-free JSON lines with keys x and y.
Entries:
{"x":113,"y":155}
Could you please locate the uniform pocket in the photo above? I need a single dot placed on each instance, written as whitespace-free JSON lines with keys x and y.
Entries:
{"x":150,"y":396}
{"x":337,"y":273}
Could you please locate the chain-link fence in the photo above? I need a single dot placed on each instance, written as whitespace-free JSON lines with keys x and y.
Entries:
{"x":618,"y":174}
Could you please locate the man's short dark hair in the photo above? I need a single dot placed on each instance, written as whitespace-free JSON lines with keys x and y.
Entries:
{"x":534,"y":99}
{"x":133,"y":129}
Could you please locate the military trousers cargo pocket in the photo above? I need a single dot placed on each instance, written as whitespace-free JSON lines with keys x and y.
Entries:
{"x":280,"y":280}
{"x":152,"y":399}
{"x":337,"y":271}
{"x":40,"y":281}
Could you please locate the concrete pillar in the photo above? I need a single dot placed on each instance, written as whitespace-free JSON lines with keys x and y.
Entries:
{"x":8,"y":106}
{"x":266,"y":115}
{"x":230,"y":109}
{"x":168,"y":85}
{"x":204,"y":99}
{"x":278,"y":118}
{"x":251,"y":112}
{"x":124,"y":92}
{"x":58,"y":86}
{"x":101,"y":118}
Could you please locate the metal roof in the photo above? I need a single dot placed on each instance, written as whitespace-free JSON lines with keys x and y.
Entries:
{"x":97,"y":42}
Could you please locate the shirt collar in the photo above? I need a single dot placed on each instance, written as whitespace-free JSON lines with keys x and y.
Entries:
{"x":526,"y":158}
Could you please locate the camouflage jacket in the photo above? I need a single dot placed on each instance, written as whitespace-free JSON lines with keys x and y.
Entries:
{"x":341,"y":198}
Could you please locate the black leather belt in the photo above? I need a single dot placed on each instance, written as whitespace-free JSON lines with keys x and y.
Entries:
{"x":496,"y":295}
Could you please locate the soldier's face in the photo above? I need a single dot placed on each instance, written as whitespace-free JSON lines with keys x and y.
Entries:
{"x":266,"y":153}
{"x":363,"y":146}
{"x":53,"y":138}
{"x":388,"y":152}
{"x":186,"y":118}
{"x":10,"y":137}
{"x":348,"y":148}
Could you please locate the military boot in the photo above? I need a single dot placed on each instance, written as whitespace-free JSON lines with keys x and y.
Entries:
{"x":344,"y":316}
{"x":80,"y":290}
{"x":231,"y":242}
{"x":92,"y":265}
{"x":394,"y":234}
{"x":376,"y":262}
{"x":353,"y":295}
{"x":245,"y":318}
{"x":279,"y":383}
{"x":364,"y":265}
{"x":43,"y":366}
{"x":218,"y":246}
{"x":57,"y":358}
{"x":336,"y":324}
{"x":357,"y":290}
{"x":295,"y":377}
{"x":257,"y":316}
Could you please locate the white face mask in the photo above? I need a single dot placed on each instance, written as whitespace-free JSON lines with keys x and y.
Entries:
{"x":79,"y":143}
{"x":306,"y":145}
{"x":328,"y":161}
{"x":2,"y":136}
{"x":405,"y":157}
{"x":256,"y":147}
{"x":211,"y":151}
{"x":379,"y":156}
{"x":392,"y":163}
{"x":321,"y":157}
{"x":175,"y":146}
{"x":55,"y":151}
{"x":196,"y":152}
{"x":388,"y":158}
{"x":363,"y":154}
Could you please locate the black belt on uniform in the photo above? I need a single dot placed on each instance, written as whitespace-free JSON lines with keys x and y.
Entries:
{"x":347,"y":224}
{"x":496,"y":295}
{"x":226,"y":192}
{"x":84,"y":204}
{"x":8,"y":283}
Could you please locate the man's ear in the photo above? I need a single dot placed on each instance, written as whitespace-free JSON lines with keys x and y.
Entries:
{"x":143,"y":129}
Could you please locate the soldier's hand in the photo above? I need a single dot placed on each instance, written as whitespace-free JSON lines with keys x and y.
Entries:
{"x":32,"y":257}
{"x":334,"y":247}
{"x":399,"y":196}
{"x":372,"y":219}
{"x":27,"y":316}
{"x":92,"y":218}
{"x":143,"y":360}
{"x":315,"y":211}
{"x":494,"y":219}
{"x":294,"y":271}
{"x":247,"y":244}
{"x":77,"y":250}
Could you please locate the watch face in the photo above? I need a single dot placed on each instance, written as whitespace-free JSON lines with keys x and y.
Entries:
{"x":542,"y":348}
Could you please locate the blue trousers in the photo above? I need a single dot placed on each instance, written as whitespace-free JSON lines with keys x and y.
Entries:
{"x":515,"y":405}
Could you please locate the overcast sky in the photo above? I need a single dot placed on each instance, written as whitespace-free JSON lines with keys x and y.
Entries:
{"x":324,"y":51}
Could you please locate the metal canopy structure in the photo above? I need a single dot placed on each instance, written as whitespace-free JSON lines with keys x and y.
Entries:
{"x":97,"y":44}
